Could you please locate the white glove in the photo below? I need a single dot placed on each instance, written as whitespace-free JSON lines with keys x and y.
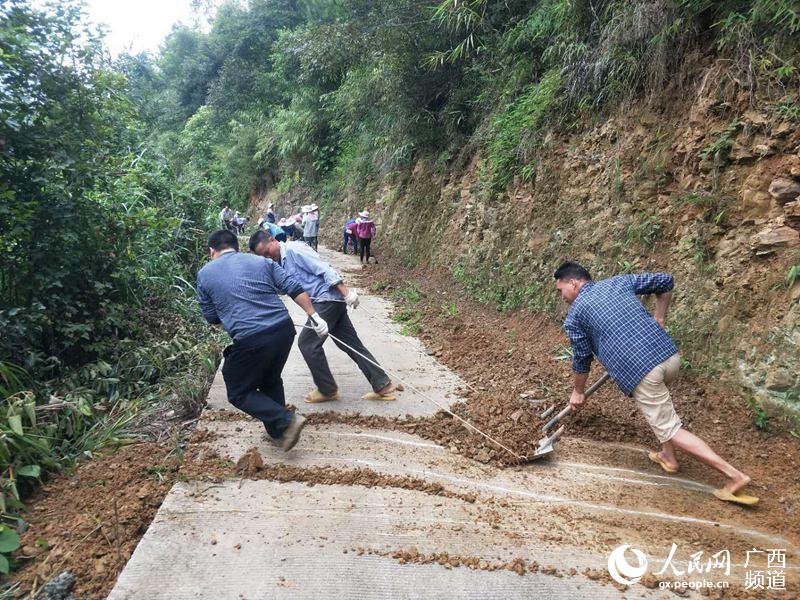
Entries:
{"x":352,"y":299}
{"x":321,"y":327}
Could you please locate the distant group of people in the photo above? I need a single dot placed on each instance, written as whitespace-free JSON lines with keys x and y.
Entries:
{"x":359,"y":232}
{"x":232,"y":221}
{"x":301,"y":226}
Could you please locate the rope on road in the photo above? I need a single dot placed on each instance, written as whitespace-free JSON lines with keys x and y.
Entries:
{"x":389,"y":330}
{"x":422,"y":394}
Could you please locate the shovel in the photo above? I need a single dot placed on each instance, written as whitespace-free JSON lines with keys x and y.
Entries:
{"x":546,"y":443}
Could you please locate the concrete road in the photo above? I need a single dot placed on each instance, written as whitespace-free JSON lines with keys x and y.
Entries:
{"x":264,"y":539}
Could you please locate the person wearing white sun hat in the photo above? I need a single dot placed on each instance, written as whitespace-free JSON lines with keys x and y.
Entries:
{"x":311,"y":225}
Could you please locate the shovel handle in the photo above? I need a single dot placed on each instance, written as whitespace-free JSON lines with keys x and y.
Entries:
{"x":596,"y":385}
{"x":557,"y":434}
{"x":592,"y":389}
{"x":552,"y":422}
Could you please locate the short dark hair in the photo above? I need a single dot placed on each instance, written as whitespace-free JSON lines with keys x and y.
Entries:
{"x":258,"y":237}
{"x":222,"y":239}
{"x":571,"y":270}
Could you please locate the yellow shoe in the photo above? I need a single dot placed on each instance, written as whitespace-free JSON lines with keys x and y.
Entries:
{"x":315,"y":397}
{"x":657,"y":459}
{"x":726,"y":496}
{"x":377,"y":396}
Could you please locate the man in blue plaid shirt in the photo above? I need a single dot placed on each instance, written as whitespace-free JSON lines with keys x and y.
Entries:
{"x":606,"y":319}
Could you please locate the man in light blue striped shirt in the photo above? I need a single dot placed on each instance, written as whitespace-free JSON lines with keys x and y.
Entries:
{"x":331,"y":297}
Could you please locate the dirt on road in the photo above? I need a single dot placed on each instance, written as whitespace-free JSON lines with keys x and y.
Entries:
{"x":89,"y":521}
{"x":517,"y":366}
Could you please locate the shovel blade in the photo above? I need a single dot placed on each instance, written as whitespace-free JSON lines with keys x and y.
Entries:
{"x":545,"y":446}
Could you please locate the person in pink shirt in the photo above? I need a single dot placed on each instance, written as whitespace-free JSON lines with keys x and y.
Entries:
{"x":365,"y":231}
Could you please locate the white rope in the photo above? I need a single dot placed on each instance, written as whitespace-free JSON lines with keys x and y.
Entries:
{"x":442,"y":407}
{"x":388,"y":329}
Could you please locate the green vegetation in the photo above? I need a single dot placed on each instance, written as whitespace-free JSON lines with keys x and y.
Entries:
{"x":450,"y":310}
{"x":792,"y":275}
{"x":101,"y":236}
{"x":506,"y":286}
{"x":721,"y":146}
{"x":644,"y":233}
{"x":410,"y":318}
{"x":9,"y":541}
{"x":283,"y":93}
{"x":379,"y":286}
{"x":410,"y":294}
{"x":760,"y":416}
{"x":563,"y":353}
{"x":111,"y":173}
{"x":511,"y":137}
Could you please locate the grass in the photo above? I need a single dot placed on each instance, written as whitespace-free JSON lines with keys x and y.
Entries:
{"x":411,"y":294}
{"x":760,"y":416}
{"x":410,"y":319}
{"x":563,"y":353}
{"x":514,"y":129}
{"x":721,"y":146}
{"x":379,"y":286}
{"x":450,"y":310}
{"x":793,"y":275}
{"x":645,"y":233}
{"x":789,"y":109}
{"x":626,"y":266}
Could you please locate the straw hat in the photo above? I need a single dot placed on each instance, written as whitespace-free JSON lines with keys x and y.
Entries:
{"x":364,"y":215}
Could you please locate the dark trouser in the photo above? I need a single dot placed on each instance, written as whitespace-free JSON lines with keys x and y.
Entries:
{"x":252,"y":374}
{"x":347,"y":238}
{"x":311,"y":241}
{"x":335,"y":315}
{"x":364,"y":243}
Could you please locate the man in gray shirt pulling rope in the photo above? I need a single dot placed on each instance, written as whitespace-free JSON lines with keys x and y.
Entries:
{"x":240,"y":291}
{"x":331,"y":299}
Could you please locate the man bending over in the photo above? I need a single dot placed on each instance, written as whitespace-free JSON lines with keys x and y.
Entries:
{"x":607,"y":320}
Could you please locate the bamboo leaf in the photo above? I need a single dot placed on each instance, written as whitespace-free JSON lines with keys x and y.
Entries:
{"x":15,"y":422}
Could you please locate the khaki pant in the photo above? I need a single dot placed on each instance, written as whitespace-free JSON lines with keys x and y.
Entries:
{"x":653,"y":399}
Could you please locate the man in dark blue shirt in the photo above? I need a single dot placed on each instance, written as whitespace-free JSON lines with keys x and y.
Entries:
{"x":606,"y":319}
{"x":240,"y":291}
